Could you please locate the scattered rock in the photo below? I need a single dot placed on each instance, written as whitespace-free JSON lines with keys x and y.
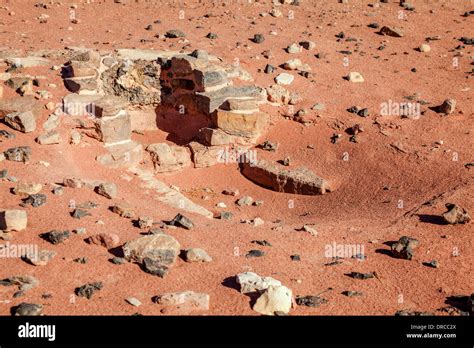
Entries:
{"x":56,"y":237}
{"x":154,"y":252}
{"x":424,"y":48}
{"x":272,"y":176}
{"x":145,"y":222}
{"x":258,"y":38}
{"x":310,"y":301}
{"x":175,"y":33}
{"x":350,"y":293}
{"x":355,"y":77}
{"x":255,"y":253}
{"x":49,"y":138}
{"x":251,"y":282}
{"x":41,"y":258}
{"x":13,"y":220}
{"x":361,"y":276}
{"x":24,"y":188}
{"x":456,"y":214}
{"x":133,"y":301}
{"x":87,"y":290}
{"x":18,"y":154}
{"x":432,"y":264}
{"x":294,"y":48}
{"x":274,"y":299}
{"x":124,"y":209}
{"x":197,"y":255}
{"x":403,"y":249}
{"x":107,"y":189}
{"x":186,"y":300}
{"x":29,"y":309}
{"x":447,"y":107}
{"x":36,"y":200}
{"x":390,"y":31}
{"x":107,"y":240}
{"x":22,"y":121}
{"x":182,"y":221}
{"x":284,"y":79}
{"x":80,"y":213}
{"x":244,"y":201}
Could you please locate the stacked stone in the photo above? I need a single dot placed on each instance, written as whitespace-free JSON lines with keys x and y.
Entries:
{"x":83,"y":73}
{"x":196,"y":82}
{"x":113,"y":127}
{"x":199,"y":84}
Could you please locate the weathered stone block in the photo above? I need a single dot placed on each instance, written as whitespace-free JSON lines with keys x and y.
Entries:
{"x":275,"y":177}
{"x":82,"y":69}
{"x":210,"y":101}
{"x":22,"y":121}
{"x":20,"y":104}
{"x":240,"y":124}
{"x":114,"y":129}
{"x":125,"y":155}
{"x":205,"y":156}
{"x":168,"y":158}
{"x":108,"y":106}
{"x":216,"y":137}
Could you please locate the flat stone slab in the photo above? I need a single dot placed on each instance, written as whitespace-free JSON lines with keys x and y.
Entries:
{"x":136,"y":54}
{"x":28,"y":62}
{"x":275,"y":177}
{"x":20,"y":104}
{"x":169,"y":196}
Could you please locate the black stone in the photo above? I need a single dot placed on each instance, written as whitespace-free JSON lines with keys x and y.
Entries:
{"x":182,"y":221}
{"x":89,"y":289}
{"x":36,"y":200}
{"x":258,"y":38}
{"x":310,"y":301}
{"x":255,"y":253}
{"x":362,"y":276}
{"x":56,"y":237}
{"x":350,"y":293}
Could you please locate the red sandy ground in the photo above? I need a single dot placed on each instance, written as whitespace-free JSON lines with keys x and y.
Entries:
{"x":360,"y":211}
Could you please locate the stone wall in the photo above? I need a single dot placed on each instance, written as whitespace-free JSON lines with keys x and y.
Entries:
{"x":116,"y":85}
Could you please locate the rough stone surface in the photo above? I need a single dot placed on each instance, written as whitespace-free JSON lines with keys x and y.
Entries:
{"x":273,"y":300}
{"x":197,"y":255}
{"x":252,"y":282}
{"x":456,"y":215}
{"x":275,"y":177}
{"x":13,"y":220}
{"x":158,"y":247}
{"x":187,"y":300}
{"x":168,"y":158}
{"x":22,"y":121}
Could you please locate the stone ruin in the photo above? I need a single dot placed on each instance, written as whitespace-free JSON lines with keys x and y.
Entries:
{"x":127,"y":90}
{"x":194,"y":96}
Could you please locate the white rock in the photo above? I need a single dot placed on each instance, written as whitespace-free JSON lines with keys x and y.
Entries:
{"x":284,"y":79}
{"x":189,"y":300}
{"x":13,"y":220}
{"x":292,"y":64}
{"x":355,"y":77}
{"x":274,"y":299}
{"x":252,"y":282}
{"x":294,"y":48}
{"x":424,"y":48}
{"x":133,"y":301}
{"x":197,"y":255}
{"x":49,"y":138}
